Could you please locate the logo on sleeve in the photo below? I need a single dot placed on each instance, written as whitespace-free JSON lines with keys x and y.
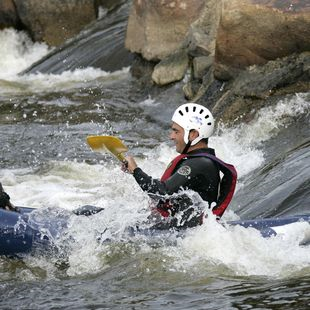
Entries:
{"x":184,"y":170}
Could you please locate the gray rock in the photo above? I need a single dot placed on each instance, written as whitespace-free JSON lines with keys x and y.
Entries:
{"x":254,"y":87}
{"x":257,"y":31}
{"x":8,"y":14}
{"x":201,"y":66}
{"x":157,"y":29}
{"x":197,"y":43}
{"x":171,"y":69}
{"x":109,"y":4}
{"x":202,"y":32}
{"x":259,"y":81}
{"x":55,"y":21}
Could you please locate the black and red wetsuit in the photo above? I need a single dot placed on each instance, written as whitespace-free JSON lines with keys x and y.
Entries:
{"x":198,"y":170}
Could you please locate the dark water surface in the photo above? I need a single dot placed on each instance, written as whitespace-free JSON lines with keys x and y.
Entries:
{"x":127,"y":285}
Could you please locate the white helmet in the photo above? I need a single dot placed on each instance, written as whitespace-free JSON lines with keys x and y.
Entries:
{"x":194,"y":116}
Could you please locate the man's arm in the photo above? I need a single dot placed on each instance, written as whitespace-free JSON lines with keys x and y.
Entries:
{"x":150,"y":185}
{"x":146,"y":182}
{"x":155,"y":186}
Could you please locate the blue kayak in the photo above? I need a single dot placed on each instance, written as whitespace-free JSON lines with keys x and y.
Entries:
{"x":19,"y":234}
{"x":268,"y":227}
{"x":31,"y":230}
{"x":15,"y":237}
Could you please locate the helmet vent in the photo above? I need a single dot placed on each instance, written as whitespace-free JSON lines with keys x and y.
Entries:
{"x":207,"y":116}
{"x":201,"y":111}
{"x":209,"y":124}
{"x":194,"y":109}
{"x":186,"y":109}
{"x":181,"y":112}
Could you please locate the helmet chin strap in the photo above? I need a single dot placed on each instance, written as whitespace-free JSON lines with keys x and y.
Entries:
{"x":187,"y":147}
{"x":189,"y":143}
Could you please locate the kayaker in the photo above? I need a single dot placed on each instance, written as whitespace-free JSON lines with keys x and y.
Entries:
{"x":5,"y":201}
{"x":196,"y":169}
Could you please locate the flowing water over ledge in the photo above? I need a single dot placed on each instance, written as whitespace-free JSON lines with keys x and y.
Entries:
{"x":46,"y":164}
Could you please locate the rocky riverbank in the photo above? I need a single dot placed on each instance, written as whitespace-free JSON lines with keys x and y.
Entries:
{"x":235,"y":54}
{"x":231,"y":55}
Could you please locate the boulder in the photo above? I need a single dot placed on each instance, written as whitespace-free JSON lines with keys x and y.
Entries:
{"x":261,"y":81}
{"x":8,"y":14}
{"x":201,"y":66}
{"x":157,"y":29}
{"x":200,"y":39}
{"x":109,"y":4}
{"x":252,"y":88}
{"x":171,"y":69}
{"x":55,"y":21}
{"x":257,"y":31}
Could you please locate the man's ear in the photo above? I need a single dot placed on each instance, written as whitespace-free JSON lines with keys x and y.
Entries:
{"x":193,"y":134}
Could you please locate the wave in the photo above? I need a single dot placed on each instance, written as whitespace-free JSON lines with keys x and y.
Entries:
{"x":18,"y":52}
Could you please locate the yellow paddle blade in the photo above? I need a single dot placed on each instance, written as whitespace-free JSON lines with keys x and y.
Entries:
{"x":107,"y":143}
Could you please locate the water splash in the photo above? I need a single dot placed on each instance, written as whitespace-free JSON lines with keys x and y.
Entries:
{"x":68,"y":80}
{"x":241,"y":145}
{"x":17,"y":52}
{"x":243,"y":251}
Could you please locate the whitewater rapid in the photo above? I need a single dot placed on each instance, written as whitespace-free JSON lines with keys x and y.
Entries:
{"x":70,"y":183}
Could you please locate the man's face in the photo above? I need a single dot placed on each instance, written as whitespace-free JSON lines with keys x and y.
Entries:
{"x":177,"y":135}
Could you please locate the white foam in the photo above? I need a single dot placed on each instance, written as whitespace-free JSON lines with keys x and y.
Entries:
{"x":242,"y":250}
{"x":17,"y":52}
{"x":208,"y":248}
{"x":69,"y":185}
{"x":68,"y":80}
{"x":240,"y":145}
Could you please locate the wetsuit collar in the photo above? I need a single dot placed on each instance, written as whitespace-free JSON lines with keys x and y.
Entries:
{"x":207,"y":150}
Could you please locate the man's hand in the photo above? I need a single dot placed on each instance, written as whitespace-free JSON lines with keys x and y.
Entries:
{"x":129,"y":165}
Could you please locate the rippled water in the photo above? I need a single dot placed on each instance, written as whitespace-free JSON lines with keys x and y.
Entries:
{"x":46,"y":164}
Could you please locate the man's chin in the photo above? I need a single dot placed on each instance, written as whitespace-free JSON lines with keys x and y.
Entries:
{"x":178,"y":150}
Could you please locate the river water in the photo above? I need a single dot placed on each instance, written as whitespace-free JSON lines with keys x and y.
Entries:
{"x":46,"y":164}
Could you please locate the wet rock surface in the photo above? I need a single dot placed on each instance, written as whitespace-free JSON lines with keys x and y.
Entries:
{"x":157,"y":29}
{"x":8,"y":15}
{"x":240,"y":53}
{"x":235,"y":54}
{"x":254,"y":33}
{"x":53,"y":21}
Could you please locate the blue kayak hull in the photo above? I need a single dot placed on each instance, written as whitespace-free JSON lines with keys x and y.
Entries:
{"x":267,"y":226}
{"x":18,"y":236}
{"x":15,"y":235}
